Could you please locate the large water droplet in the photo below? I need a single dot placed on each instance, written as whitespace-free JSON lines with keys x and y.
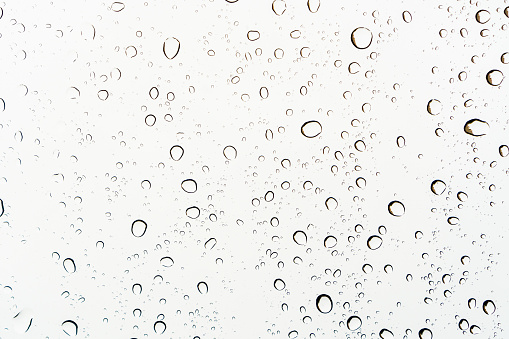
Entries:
{"x":166,"y":261}
{"x":476,"y":127}
{"x":488,"y":306}
{"x":193,"y":212}
{"x":279,"y":284}
{"x":494,"y":77}
{"x":203,"y":288}
{"x":138,"y":228}
{"x":361,"y":37}
{"x":374,"y":242}
{"x":438,"y":187}
{"x":396,"y":208}
{"x":69,"y":265}
{"x":330,"y":241}
{"x":353,"y":323}
{"x":279,"y":7}
{"x":171,"y":47}
{"x":324,"y":303}
{"x":177,"y":152}
{"x":159,"y":327}
{"x":70,"y":328}
{"x":434,"y":107}
{"x":300,"y":238}
{"x":311,"y":129}
{"x":189,"y":186}
{"x":425,"y":333}
{"x":482,"y":16}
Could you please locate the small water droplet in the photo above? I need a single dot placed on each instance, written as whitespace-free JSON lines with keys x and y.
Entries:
{"x":488,"y":306}
{"x":230,"y":152}
{"x":407,"y":17}
{"x":494,"y":77}
{"x":189,"y":186}
{"x":137,"y":289}
{"x":331,"y":203}
{"x":313,"y":5}
{"x":360,"y":145}
{"x":300,"y":238}
{"x":171,"y":47}
{"x":279,"y":284}
{"x":472,"y":303}
{"x":400,"y":141}
{"x":311,"y":129}
{"x":354,"y":323}
{"x":482,"y":16}
{"x":434,"y":107}
{"x":474,"y":329}
{"x":153,"y":93}
{"x":193,"y":212}
{"x":279,"y":7}
{"x":159,"y":327}
{"x":438,"y":187}
{"x":361,"y":37}
{"x":166,"y":261}
{"x":138,"y":228}
{"x":117,"y":6}
{"x":203,"y":288}
{"x":425,"y":333}
{"x":253,"y":35}
{"x":386,"y":334}
{"x":324,"y":303}
{"x":396,"y":208}
{"x":374,"y":242}
{"x":293,"y":334}
{"x":503,"y":150}
{"x":69,"y":265}
{"x":330,"y":241}
{"x":210,"y":243}
{"x":70,"y":328}
{"x":177,"y":152}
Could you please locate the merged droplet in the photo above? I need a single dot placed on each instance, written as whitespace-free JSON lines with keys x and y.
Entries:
{"x":354,"y":323}
{"x":488,"y":306}
{"x":171,"y":47}
{"x":138,"y":228}
{"x":476,"y":127}
{"x":494,"y":77}
{"x":311,"y":129}
{"x":189,"y":186}
{"x":374,"y":242}
{"x":434,"y":107}
{"x":70,"y":328}
{"x":279,"y":284}
{"x":203,"y":288}
{"x":69,"y":265}
{"x":324,"y":303}
{"x":177,"y":152}
{"x":396,"y":208}
{"x":438,"y":187}
{"x":361,"y":37}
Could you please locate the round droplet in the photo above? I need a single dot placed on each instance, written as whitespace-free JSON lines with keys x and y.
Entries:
{"x":293,"y":334}
{"x":138,"y":228}
{"x":400,"y":141}
{"x":502,"y":150}
{"x":453,"y":220}
{"x":505,"y":58}
{"x":463,"y":324}
{"x":210,"y":243}
{"x":396,"y":208}
{"x":70,"y":328}
{"x":434,"y":107}
{"x":146,"y":185}
{"x":425,"y":333}
{"x":330,"y":241}
{"x":159,"y":327}
{"x":438,"y":187}
{"x":313,"y":5}
{"x":171,"y":47}
{"x":324,"y":303}
{"x":230,"y":152}
{"x":177,"y":152}
{"x":494,"y":77}
{"x":476,"y":127}
{"x":166,"y":261}
{"x":482,"y":16}
{"x":361,"y":37}
{"x":488,"y":306}
{"x":331,"y":203}
{"x":150,"y":120}
{"x":189,"y":186}
{"x":203,"y":288}
{"x":374,"y":242}
{"x":193,"y":212}
{"x":386,"y":334}
{"x":264,"y":93}
{"x":311,"y":129}
{"x":360,"y":145}
{"x":300,"y":238}
{"x":279,"y":7}
{"x":354,"y":323}
{"x":69,"y":265}
{"x":407,"y":17}
{"x":360,"y":182}
{"x":279,"y":284}
{"x":253,"y":35}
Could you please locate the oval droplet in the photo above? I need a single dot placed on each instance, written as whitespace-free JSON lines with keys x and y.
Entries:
{"x":463,"y":324}
{"x":434,"y":107}
{"x":324,"y":303}
{"x":476,"y":127}
{"x":69,"y":265}
{"x":360,"y":145}
{"x":177,"y":152}
{"x":193,"y":212}
{"x":374,"y":242}
{"x":138,"y":228}
{"x":482,"y":16}
{"x":331,"y":203}
{"x":293,"y":334}
{"x":166,"y":261}
{"x":360,"y":182}
{"x":171,"y":47}
{"x":203,"y":288}
{"x":354,"y":323}
{"x":494,"y":77}
{"x":210,"y":243}
{"x":361,"y":37}
{"x":153,"y":93}
{"x":438,"y":187}
{"x":279,"y":7}
{"x":189,"y":186}
{"x":230,"y":152}
{"x":137,"y":289}
{"x":313,"y":5}
{"x":488,"y":306}
{"x":311,"y":129}
{"x":300,"y":238}
{"x":396,"y":208}
{"x":425,"y":333}
{"x":502,"y":150}
{"x":474,"y":329}
{"x":407,"y":17}
{"x":279,"y":284}
{"x":159,"y":327}
{"x":330,"y":241}
{"x":385,"y":334}
{"x":253,"y":35}
{"x":70,"y":328}
{"x":264,"y":93}
{"x":117,"y":6}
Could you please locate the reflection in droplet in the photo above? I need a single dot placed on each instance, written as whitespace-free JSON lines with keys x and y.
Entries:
{"x":476,"y":127}
{"x":438,"y":187}
{"x":353,"y":323}
{"x":203,"y":288}
{"x":425,"y":333}
{"x":189,"y":186}
{"x":434,"y":107}
{"x":311,"y":129}
{"x":171,"y":47}
{"x":488,"y":306}
{"x":279,"y":284}
{"x":279,"y":7}
{"x":361,"y":37}
{"x":331,"y":203}
{"x":230,"y":152}
{"x":193,"y":212}
{"x":159,"y":327}
{"x":374,"y":242}
{"x":138,"y":228}
{"x":482,"y":16}
{"x":396,"y":208}
{"x":70,"y":328}
{"x":69,"y":265}
{"x":330,"y":241}
{"x":324,"y":303}
{"x":209,"y":244}
{"x":300,"y":238}
{"x":494,"y":77}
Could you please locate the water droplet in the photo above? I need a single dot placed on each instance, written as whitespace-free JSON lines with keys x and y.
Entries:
{"x":138,"y":228}
{"x":166,"y":261}
{"x":386,"y":334}
{"x":69,"y":265}
{"x":331,"y":203}
{"x":70,"y":328}
{"x":324,"y":303}
{"x":279,"y":7}
{"x":374,"y":242}
{"x":476,"y":127}
{"x":472,"y":303}
{"x":300,"y":238}
{"x":313,"y":5}
{"x":482,"y":16}
{"x":269,"y":196}
{"x":354,"y":68}
{"x":305,"y":52}
{"x":425,"y":333}
{"x":295,"y":34}
{"x":396,"y":208}
{"x":354,"y":323}
{"x":264,"y":93}
{"x":150,"y":120}
{"x":504,"y":58}
{"x":494,"y":77}
{"x":103,"y":94}
{"x":253,"y":35}
{"x":502,"y":150}
{"x":189,"y":186}
{"x":230,"y":152}
{"x":361,"y":37}
{"x":434,"y":107}
{"x":438,"y":187}
{"x":274,"y":222}
{"x":177,"y":152}
{"x":293,"y":334}
{"x":117,"y":6}
{"x":488,"y":306}
{"x":279,"y":53}
{"x":407,"y":17}
{"x":330,"y":241}
{"x":203,"y":288}
{"x":360,"y":182}
{"x":146,"y":185}
{"x":279,"y":284}
{"x":193,"y":212}
{"x":210,"y":243}
{"x":153,"y":93}
{"x":463,"y":324}
{"x":159,"y":327}
{"x":474,"y":329}
{"x":311,"y":129}
{"x":171,"y":47}
{"x":2,"y":210}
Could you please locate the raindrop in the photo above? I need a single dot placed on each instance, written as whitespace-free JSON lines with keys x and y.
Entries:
{"x":502,"y":150}
{"x":230,"y":152}
{"x":474,"y":329}
{"x":279,"y":7}
{"x":494,"y":77}
{"x":434,"y":107}
{"x":374,"y":242}
{"x":488,"y":306}
{"x":330,"y":241}
{"x":438,"y":187}
{"x":166,"y":261}
{"x":146,"y":185}
{"x":361,"y":37}
{"x":331,"y":203}
{"x":407,"y":17}
{"x":360,"y":146}
{"x":171,"y":47}
{"x":264,"y":92}
{"x":476,"y":127}
{"x":193,"y":212}
{"x":463,"y":324}
{"x":69,"y":265}
{"x":210,"y":243}
{"x":189,"y":186}
{"x":396,"y":208}
{"x":177,"y":152}
{"x":117,"y":6}
{"x":103,"y":94}
{"x":400,"y":141}
{"x":203,"y":288}
{"x":159,"y":327}
{"x":353,"y":323}
{"x":153,"y":93}
{"x":253,"y":35}
{"x":386,"y":334}
{"x":360,"y":182}
{"x":482,"y":16}
{"x":425,"y":333}
{"x":150,"y":120}
{"x":138,"y":228}
{"x":70,"y":328}
{"x":311,"y":129}
{"x":300,"y":238}
{"x":313,"y":5}
{"x":279,"y":284}
{"x":324,"y":303}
